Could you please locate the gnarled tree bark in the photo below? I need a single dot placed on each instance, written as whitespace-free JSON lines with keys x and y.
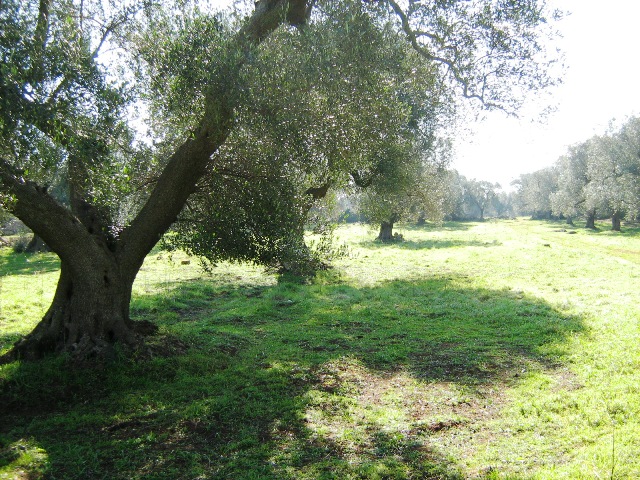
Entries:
{"x":591,"y":219}
{"x":386,"y":230}
{"x":616,"y":222}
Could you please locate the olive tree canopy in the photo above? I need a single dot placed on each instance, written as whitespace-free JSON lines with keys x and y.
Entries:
{"x":73,"y":71}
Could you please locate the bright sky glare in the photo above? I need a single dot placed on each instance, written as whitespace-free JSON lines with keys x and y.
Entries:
{"x":602,"y":83}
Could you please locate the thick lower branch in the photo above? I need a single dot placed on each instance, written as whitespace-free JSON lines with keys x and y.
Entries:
{"x":55,"y":224}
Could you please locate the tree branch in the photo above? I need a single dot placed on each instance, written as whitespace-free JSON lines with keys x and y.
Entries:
{"x":44,"y":215}
{"x":454,"y":69}
{"x":360,"y":181}
{"x":318,"y":192}
{"x":189,"y":162}
{"x":42,"y":27}
{"x":116,"y":21}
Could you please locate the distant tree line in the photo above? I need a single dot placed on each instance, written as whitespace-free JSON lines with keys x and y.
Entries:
{"x":595,"y":179}
{"x":430,"y":191}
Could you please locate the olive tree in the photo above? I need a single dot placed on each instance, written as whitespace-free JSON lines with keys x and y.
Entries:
{"x":471,"y":199}
{"x":407,"y":185}
{"x":570,"y":200}
{"x":614,"y":166}
{"x":347,"y":102}
{"x":65,"y":109}
{"x":534,"y":191}
{"x":404,"y":176}
{"x":479,"y":194}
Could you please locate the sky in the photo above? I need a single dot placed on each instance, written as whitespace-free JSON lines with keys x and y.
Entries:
{"x":601,"y":84}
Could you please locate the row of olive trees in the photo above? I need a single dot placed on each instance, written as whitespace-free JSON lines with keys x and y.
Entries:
{"x":424,"y":189}
{"x":471,"y":199}
{"x":598,"y":178}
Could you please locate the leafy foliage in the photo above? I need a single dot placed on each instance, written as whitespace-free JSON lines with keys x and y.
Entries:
{"x":573,"y":177}
{"x":480,"y":193}
{"x":471,"y":199}
{"x":330,"y":96}
{"x":534,"y":191}
{"x":614,"y":166}
{"x":319,"y":107}
{"x":408,"y":185}
{"x":61,"y":114}
{"x":296,"y":96}
{"x":600,"y":176}
{"x":492,"y":51}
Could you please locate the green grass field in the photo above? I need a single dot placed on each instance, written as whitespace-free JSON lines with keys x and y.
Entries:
{"x":505,"y":349}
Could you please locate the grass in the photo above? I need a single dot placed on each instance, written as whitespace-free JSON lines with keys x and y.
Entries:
{"x":492,"y":350}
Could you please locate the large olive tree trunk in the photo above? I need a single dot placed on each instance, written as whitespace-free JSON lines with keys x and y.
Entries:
{"x":90,"y":309}
{"x":386,"y":232}
{"x":89,"y":312}
{"x":591,"y":219}
{"x":616,"y":222}
{"x":386,"y":229}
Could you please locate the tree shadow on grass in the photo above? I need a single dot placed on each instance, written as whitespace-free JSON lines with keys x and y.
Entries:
{"x":27,"y":263}
{"x":7,"y":340}
{"x":440,"y":227}
{"x":428,"y":244}
{"x":630,"y":229}
{"x":286,"y":382}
